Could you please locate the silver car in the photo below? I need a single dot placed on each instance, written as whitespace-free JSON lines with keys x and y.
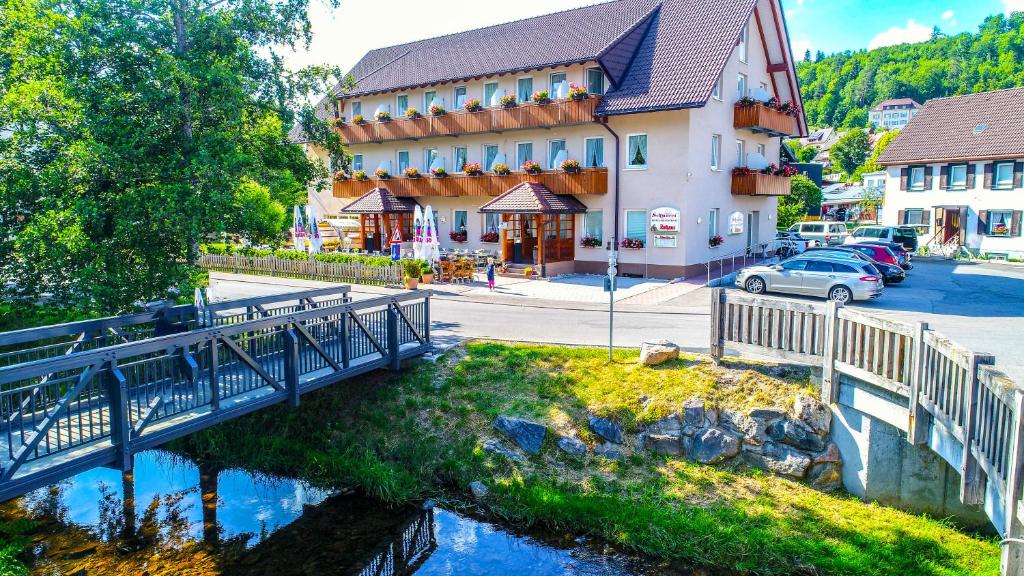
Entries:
{"x":840,"y":279}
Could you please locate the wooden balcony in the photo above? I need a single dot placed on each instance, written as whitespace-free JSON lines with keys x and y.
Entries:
{"x":756,"y":184}
{"x":523,"y":116}
{"x":587,"y":181}
{"x":764,"y":120}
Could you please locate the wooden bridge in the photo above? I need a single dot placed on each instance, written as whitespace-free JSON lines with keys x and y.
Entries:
{"x":85,"y":394}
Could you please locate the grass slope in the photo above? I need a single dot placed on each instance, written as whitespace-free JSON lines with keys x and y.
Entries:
{"x":410,"y":436}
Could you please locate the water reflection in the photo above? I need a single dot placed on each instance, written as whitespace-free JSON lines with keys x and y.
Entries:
{"x":172,"y":516}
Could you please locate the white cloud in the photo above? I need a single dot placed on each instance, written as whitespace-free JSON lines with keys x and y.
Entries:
{"x":1013,"y":5}
{"x":947,"y":15}
{"x":912,"y":32}
{"x":800,"y":45}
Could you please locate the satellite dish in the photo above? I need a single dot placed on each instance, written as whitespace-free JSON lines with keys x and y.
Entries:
{"x":562,"y":156}
{"x":383,"y":108}
{"x":437,"y":163}
{"x":562,"y":89}
{"x":385,"y":165}
{"x":499,"y":159}
{"x":760,"y":94}
{"x":756,"y":161}
{"x":495,"y":99}
{"x":437,"y":101}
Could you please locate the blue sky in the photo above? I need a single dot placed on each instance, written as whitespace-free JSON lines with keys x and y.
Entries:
{"x":837,"y":25}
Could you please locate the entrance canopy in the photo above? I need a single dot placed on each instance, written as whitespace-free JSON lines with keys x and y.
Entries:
{"x":380,"y":201}
{"x":533,"y":198}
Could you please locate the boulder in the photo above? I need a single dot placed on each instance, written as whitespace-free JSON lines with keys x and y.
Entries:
{"x":607,"y":429}
{"x":693,"y":412}
{"x":711,"y":416}
{"x":714,"y":445}
{"x":478,"y":489}
{"x":610,"y":451}
{"x":668,"y":426}
{"x":662,"y":444}
{"x":752,"y":431}
{"x":767,"y":414}
{"x":492,"y":446}
{"x":780,"y":459}
{"x":572,"y":446}
{"x":795,"y":433}
{"x":825,"y":476}
{"x":814,"y":413}
{"x":657,"y":352}
{"x":829,"y":454}
{"x":528,"y":435}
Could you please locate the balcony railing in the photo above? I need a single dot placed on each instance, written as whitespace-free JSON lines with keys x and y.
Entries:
{"x":587,"y":181}
{"x":761,"y":119}
{"x":756,"y":184}
{"x":525,"y":115}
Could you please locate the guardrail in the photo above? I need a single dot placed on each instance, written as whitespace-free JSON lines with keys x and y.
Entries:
{"x":945,"y":384}
{"x":311,"y":269}
{"x":724,"y":264}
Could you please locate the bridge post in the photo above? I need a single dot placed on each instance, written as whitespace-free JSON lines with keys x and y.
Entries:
{"x":972,"y":483}
{"x":120,"y":424}
{"x":394,"y":360}
{"x":917,"y":428}
{"x":212,"y":376}
{"x":346,"y":344}
{"x":426,"y":317}
{"x":291,"y":365}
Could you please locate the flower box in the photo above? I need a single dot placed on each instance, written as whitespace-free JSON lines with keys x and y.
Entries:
{"x":473,"y":105}
{"x":762,"y":119}
{"x":632,"y":243}
{"x":459,"y":237}
{"x":473,"y":169}
{"x":489,"y":237}
{"x":590,"y":242}
{"x":532,"y":167}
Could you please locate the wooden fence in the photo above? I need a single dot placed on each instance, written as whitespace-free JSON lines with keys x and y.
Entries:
{"x":354,"y":272}
{"x":945,"y":384}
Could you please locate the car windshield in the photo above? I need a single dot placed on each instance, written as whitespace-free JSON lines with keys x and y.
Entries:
{"x":871,"y":233}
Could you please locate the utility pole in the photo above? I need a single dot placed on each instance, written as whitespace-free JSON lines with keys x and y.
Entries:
{"x":613,"y":260}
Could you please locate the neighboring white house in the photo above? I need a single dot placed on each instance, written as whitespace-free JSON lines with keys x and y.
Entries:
{"x":957,"y":173}
{"x":655,"y":135}
{"x":894,"y":114}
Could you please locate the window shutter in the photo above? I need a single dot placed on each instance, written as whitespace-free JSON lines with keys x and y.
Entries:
{"x":988,"y":176}
{"x":1015,"y":221}
{"x":900,"y":217}
{"x":971,"y":169}
{"x":983,"y":222}
{"x":926,"y":217}
{"x":928,"y":177}
{"x":903,"y":178}
{"x":944,"y":177}
{"x":1018,"y":174}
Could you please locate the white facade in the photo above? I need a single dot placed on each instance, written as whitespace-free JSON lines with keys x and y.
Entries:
{"x":892,"y":117}
{"x":992,"y":204}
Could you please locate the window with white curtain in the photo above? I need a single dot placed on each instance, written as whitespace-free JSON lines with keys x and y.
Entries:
{"x":716,"y":93}
{"x":636,"y":224}
{"x":593,"y":152}
{"x":554,"y":147}
{"x":741,"y":153}
{"x":490,"y":91}
{"x":593,"y":224}
{"x":428,"y":97}
{"x":637,"y":153}
{"x":744,"y":45}
{"x":741,"y":86}
{"x":490,"y":153}
{"x":460,"y":98}
{"x":712,"y":222}
{"x":595,"y":81}
{"x":716,"y":151}
{"x":402,"y":104}
{"x":357,"y":108}
{"x":460,"y":155}
{"x":492,"y":223}
{"x":357,"y":161}
{"x":556,"y":79}
{"x":524,"y":89}
{"x":429,"y":155}
{"x":403,"y":160}
{"x":460,"y":218}
{"x":524,"y":152}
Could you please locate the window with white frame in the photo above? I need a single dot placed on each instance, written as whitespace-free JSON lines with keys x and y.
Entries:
{"x":744,"y":45}
{"x":428,"y":98}
{"x":460,"y":219}
{"x":636,"y":225}
{"x":593,"y":225}
{"x":913,"y":217}
{"x":637,"y":151}
{"x":492,"y":223}
{"x":712,"y":222}
{"x":999,"y":222}
{"x":490,"y":154}
{"x":556,"y":79}
{"x":357,"y":108}
{"x":459,"y":101}
{"x":716,"y":151}
{"x":958,"y":177}
{"x":761,"y":150}
{"x":593,"y":152}
{"x":401,"y":104}
{"x":917,"y":178}
{"x":403,"y":161}
{"x":524,"y":89}
{"x":741,"y":86}
{"x":1002,"y":176}
{"x":491,"y":94}
{"x":357,"y":161}
{"x":741,"y":153}
{"x":554,"y":147}
{"x":595,"y":81}
{"x":429,"y":155}
{"x":524,"y":152}
{"x":716,"y":92}
{"x":460,"y":155}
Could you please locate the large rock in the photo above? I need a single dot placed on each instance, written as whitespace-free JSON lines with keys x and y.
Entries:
{"x":796,"y":433}
{"x":668,"y":426}
{"x":479,"y":489}
{"x":662,"y":444}
{"x":610,"y":451}
{"x":714,"y":445}
{"x":492,"y":446}
{"x":572,"y":446}
{"x":607,"y":429}
{"x":830,"y":454}
{"x":767,"y":414}
{"x":657,"y":352}
{"x":752,"y":431}
{"x":814,"y":413}
{"x":825,"y":476}
{"x":528,"y":435}
{"x":780,"y":459}
{"x":693,"y":412}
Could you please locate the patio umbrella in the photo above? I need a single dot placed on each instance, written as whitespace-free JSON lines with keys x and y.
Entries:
{"x":417,"y":238}
{"x":430,"y":240}
{"x":298,"y":230}
{"x":315,"y":241}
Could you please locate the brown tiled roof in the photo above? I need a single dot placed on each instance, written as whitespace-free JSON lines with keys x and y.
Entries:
{"x":984,"y":126}
{"x":533,"y":198}
{"x":380,"y":201}
{"x":896,"y":102}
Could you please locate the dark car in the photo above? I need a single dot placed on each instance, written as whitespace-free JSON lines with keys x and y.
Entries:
{"x":907,"y":236}
{"x":890,"y":273}
{"x":902,"y":255}
{"x":875,"y":252}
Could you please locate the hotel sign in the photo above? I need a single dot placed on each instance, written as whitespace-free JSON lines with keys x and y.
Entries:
{"x":736,"y":220}
{"x":665,"y":226}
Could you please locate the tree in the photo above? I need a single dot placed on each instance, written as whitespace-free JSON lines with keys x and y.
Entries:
{"x":256,"y":215}
{"x":871,"y":165}
{"x":851,"y":150}
{"x":871,"y":199}
{"x":803,"y":194}
{"x":807,"y":55}
{"x":133,"y":129}
{"x":807,"y":154}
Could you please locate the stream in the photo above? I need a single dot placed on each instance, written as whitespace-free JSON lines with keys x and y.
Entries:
{"x":171,"y":515}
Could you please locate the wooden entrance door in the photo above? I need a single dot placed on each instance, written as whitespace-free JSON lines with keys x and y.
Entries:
{"x":519,"y":238}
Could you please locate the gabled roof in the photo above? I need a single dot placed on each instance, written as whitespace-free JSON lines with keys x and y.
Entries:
{"x":380,"y":201}
{"x":533,"y":198}
{"x":897,"y":102}
{"x":984,"y":126}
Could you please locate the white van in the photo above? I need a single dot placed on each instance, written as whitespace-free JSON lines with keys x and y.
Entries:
{"x":821,"y":233}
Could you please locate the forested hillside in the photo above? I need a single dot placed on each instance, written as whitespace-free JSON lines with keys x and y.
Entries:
{"x":838,"y":90}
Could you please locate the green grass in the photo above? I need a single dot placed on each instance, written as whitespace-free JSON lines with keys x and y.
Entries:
{"x":418,"y":435}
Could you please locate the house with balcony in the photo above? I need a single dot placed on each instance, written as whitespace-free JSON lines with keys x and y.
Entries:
{"x":957,"y":173}
{"x":893,"y":114}
{"x":646,"y":126}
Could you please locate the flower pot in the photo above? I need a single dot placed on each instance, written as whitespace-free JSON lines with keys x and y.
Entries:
{"x":412,"y":283}
{"x":428,"y":277}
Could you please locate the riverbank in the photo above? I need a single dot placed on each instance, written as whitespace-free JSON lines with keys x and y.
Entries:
{"x":421,"y":434}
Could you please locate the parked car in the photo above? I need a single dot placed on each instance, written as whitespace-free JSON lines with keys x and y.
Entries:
{"x":839,"y":279}
{"x":875,"y":252}
{"x":821,"y":233}
{"x":891,"y":274}
{"x":902,"y":255}
{"x":904,"y":235}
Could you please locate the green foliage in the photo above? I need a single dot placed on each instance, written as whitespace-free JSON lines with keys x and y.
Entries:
{"x":803,"y":193}
{"x":871,"y":199}
{"x":255,"y":215}
{"x":851,"y":150}
{"x":412,"y":268}
{"x":839,"y":90}
{"x":134,"y":130}
{"x":284,"y":254}
{"x":872,"y":165}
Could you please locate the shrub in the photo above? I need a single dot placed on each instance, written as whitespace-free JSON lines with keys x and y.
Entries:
{"x":438,"y":172}
{"x":411,"y":268}
{"x":426,"y":267}
{"x":473,"y":105}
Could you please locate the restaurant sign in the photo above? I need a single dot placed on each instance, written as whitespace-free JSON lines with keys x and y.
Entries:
{"x":665,"y":220}
{"x":736,"y":220}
